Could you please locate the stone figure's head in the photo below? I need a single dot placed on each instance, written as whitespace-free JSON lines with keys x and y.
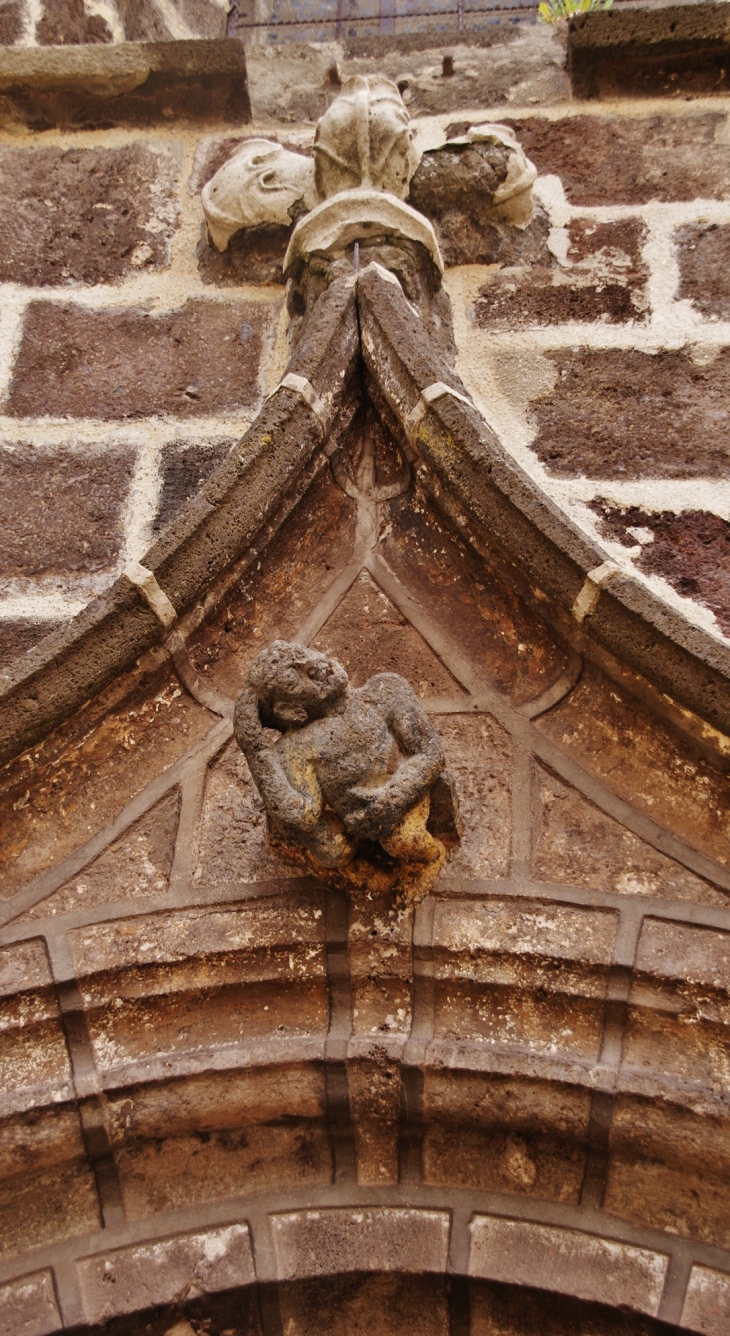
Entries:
{"x":364,"y":139}
{"x":294,"y":684}
{"x":258,"y":184}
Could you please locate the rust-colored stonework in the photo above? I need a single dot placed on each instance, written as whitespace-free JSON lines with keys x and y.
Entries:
{"x":429,"y":473}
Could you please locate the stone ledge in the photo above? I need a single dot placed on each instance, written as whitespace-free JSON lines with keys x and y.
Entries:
{"x":138,"y":83}
{"x":681,"y":50}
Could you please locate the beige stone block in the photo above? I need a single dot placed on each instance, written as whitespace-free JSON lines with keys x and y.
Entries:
{"x":28,"y":1306}
{"x":321,"y":1243}
{"x":707,"y":1302}
{"x":546,"y":1257}
{"x":154,"y":1273}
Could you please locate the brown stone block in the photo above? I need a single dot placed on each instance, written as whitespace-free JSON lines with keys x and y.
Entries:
{"x":467,"y":933}
{"x":321,"y":1243}
{"x":499,"y":1160}
{"x":66,"y":21}
{"x":609,"y":159}
{"x":208,"y":1166}
{"x":34,"y":1063}
{"x":276,"y":595}
{"x":83,"y":774}
{"x":11,"y":22}
{"x":690,"y":550}
{"x":643,"y":762}
{"x":669,"y":1169}
{"x":199,"y":360}
{"x":215,"y":1102}
{"x":703,"y":250}
{"x":565,"y":1260}
{"x":186,"y":465}
{"x":62,"y":509}
{"x":136,"y":866}
{"x":678,"y":951}
{"x":669,"y":51}
{"x":577,"y":844}
{"x":603,"y":278}
{"x":629,"y":414}
{"x":156,"y":1273}
{"x":479,"y":757}
{"x":381,"y":966}
{"x":86,"y":215}
{"x":40,"y":1139}
{"x":29,"y":1305}
{"x":48,"y":1207}
{"x":503,"y":638}
{"x":491,"y":1102}
{"x":390,"y":1305}
{"x":707,"y":1301}
{"x":562,"y":1026}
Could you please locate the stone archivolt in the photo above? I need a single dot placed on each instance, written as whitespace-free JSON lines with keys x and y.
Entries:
{"x":237,"y":1097}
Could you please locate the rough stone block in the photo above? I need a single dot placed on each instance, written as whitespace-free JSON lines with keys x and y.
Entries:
{"x":565,"y":1260}
{"x":323,"y":1243}
{"x":85,"y":215}
{"x":66,"y":21}
{"x":156,"y":1273}
{"x":19,"y":634}
{"x":505,"y":927}
{"x":11,"y":22}
{"x":610,"y":159}
{"x":630,"y":414}
{"x":602,"y":278}
{"x":199,"y":360}
{"x":62,"y":509}
{"x":703,"y":250}
{"x":671,"y":50}
{"x":707,"y":1302}
{"x":186,"y":465}
{"x":28,"y":1306}
{"x":683,"y":952}
{"x":58,"y":1202}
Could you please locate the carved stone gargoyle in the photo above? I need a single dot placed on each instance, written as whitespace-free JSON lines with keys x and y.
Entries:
{"x":355,"y":787}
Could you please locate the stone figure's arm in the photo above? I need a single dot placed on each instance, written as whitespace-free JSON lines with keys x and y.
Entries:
{"x":424,"y":760}
{"x":293,"y":800}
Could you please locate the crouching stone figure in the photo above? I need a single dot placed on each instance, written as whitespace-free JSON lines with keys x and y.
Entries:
{"x":355,"y":787}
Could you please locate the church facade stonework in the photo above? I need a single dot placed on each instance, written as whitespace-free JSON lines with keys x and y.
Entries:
{"x":364,"y":710}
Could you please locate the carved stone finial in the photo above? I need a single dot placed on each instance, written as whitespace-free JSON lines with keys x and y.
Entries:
{"x":355,"y":787}
{"x":364,"y":139}
{"x":260,"y":183}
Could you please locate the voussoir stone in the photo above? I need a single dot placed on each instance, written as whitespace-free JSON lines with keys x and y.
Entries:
{"x":325,"y":1242}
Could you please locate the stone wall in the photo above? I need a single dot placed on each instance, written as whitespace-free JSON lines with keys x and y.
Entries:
{"x":596,"y":343}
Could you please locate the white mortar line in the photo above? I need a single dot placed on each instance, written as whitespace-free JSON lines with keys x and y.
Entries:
{"x":141,"y":505}
{"x":47,"y":433}
{"x":654,"y":495}
{"x":13,"y":306}
{"x":33,"y":15}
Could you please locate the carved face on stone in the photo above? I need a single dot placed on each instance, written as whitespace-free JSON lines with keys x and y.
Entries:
{"x":294,"y":683}
{"x":364,"y":139}
{"x":259,"y":184}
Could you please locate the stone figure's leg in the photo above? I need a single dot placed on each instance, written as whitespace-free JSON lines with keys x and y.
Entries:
{"x":421,"y":855}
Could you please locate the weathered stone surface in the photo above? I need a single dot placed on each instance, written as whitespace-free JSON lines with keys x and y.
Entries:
{"x":704,"y":264}
{"x":576,"y":843}
{"x":144,"y":22}
{"x":156,"y":1273}
{"x":642,"y":761}
{"x":369,"y":635}
{"x":479,"y":757}
{"x":254,"y":255}
{"x":47,"y":1207}
{"x":78,"y":780}
{"x":707,"y":1301}
{"x":232,"y":844}
{"x":630,"y":414}
{"x":668,"y":1167}
{"x":11,"y":22}
{"x":85,"y":215}
{"x":320,"y":1243}
{"x":18,"y":635}
{"x":66,"y":21}
{"x":611,"y":159}
{"x":137,"y":866}
{"x":603,"y":278}
{"x":28,"y":1306}
{"x":186,"y":465}
{"x":458,"y":589}
{"x":62,"y":509}
{"x":391,"y":1304}
{"x":564,"y":1260}
{"x":691,"y":550}
{"x":668,"y":52}
{"x":201,"y":359}
{"x":278,"y":593}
